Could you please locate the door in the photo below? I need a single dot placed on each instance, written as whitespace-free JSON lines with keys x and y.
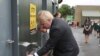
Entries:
{"x":5,"y":28}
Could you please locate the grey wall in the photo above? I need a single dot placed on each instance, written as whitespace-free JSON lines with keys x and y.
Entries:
{"x":24,"y":20}
{"x":24,"y":23}
{"x":14,"y":27}
{"x":49,"y":5}
{"x":5,"y":27}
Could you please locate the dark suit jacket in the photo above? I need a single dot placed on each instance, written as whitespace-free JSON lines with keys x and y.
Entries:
{"x":61,"y":40}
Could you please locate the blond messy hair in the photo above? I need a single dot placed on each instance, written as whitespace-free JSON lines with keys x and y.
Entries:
{"x":44,"y":15}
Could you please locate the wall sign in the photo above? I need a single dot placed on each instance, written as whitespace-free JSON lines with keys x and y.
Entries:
{"x":33,"y":23}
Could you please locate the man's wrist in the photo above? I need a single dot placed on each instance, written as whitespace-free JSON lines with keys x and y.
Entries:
{"x":35,"y":54}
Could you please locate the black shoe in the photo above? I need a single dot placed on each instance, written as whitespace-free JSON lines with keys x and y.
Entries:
{"x":86,"y":42}
{"x":98,"y":36}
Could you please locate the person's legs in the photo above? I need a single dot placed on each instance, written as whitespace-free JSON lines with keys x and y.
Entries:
{"x":86,"y":38}
{"x":99,"y":38}
{"x":95,"y":33}
{"x":98,"y":34}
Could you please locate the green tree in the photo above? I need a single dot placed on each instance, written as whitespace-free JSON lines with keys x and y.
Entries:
{"x":66,"y":10}
{"x":72,"y":10}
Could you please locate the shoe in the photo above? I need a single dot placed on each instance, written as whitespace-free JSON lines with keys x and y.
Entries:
{"x":98,"y":36}
{"x":86,"y":42}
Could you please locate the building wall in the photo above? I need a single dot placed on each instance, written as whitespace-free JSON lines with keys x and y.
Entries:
{"x":5,"y":28}
{"x":78,"y":11}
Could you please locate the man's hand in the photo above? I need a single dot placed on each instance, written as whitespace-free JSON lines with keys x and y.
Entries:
{"x":35,"y":54}
{"x":30,"y":55}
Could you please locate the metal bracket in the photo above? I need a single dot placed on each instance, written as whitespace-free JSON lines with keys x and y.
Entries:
{"x":10,"y":41}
